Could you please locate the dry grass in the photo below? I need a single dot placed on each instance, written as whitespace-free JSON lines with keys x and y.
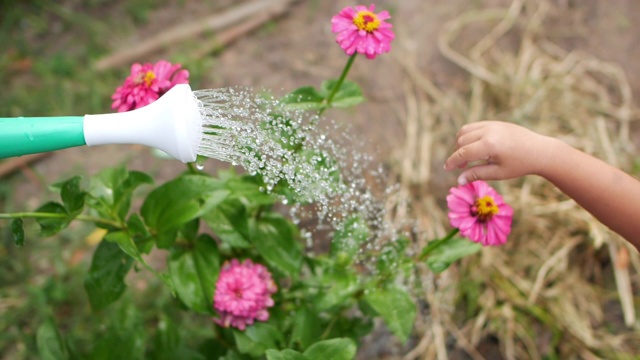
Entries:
{"x":545,"y":292}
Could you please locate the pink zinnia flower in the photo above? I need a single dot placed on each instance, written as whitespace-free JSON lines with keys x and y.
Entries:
{"x":243,"y":294}
{"x":147,"y":83}
{"x":360,"y":29}
{"x":479,"y":212}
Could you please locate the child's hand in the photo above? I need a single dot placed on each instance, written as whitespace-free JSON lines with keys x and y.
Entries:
{"x":494,"y":150}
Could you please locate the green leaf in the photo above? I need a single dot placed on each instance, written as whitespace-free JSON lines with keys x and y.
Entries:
{"x":194,"y":272}
{"x":124,"y":337}
{"x":338,"y":289}
{"x":124,"y":192}
{"x":135,"y":179}
{"x":393,"y":256}
{"x":72,"y":196}
{"x":348,"y":238}
{"x":126,"y":244}
{"x":334,"y":349}
{"x":233,"y":355}
{"x":286,"y":354}
{"x":181,"y":200}
{"x":51,"y":226}
{"x":17,"y":230}
{"x":167,"y":339}
{"x":273,"y":237}
{"x":257,"y":338}
{"x":50,"y":343}
{"x":348,"y":95}
{"x":105,"y":281}
{"x":168,"y":345}
{"x":102,"y":186}
{"x":351,"y":327}
{"x":111,"y":190}
{"x":140,"y":233}
{"x":212,"y":348}
{"x":396,"y":307}
{"x":229,"y":222}
{"x":441,"y":254}
{"x":306,"y":328}
{"x":247,"y":190}
{"x":306,"y":98}
{"x":166,"y":239}
{"x":190,"y":229}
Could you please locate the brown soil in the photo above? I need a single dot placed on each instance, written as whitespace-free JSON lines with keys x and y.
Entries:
{"x":298,"y":49}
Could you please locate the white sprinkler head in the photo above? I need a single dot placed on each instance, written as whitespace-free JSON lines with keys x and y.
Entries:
{"x":173,"y":124}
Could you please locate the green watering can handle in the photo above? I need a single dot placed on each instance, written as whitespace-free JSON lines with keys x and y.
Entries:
{"x":30,"y":135}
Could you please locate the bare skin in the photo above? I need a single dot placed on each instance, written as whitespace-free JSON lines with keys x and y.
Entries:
{"x":494,"y":150}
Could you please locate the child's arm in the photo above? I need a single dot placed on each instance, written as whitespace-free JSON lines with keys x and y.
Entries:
{"x":507,"y":151}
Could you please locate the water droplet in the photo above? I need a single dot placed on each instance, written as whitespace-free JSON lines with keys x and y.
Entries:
{"x":200,"y":163}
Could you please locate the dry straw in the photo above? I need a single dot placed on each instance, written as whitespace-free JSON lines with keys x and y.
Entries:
{"x":550,"y":290}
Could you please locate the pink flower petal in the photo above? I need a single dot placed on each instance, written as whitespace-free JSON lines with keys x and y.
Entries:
{"x":146,"y":83}
{"x":373,"y":41}
{"x":243,"y":294}
{"x":466,"y":213}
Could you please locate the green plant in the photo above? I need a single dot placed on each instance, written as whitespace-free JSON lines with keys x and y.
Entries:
{"x":325,"y":302}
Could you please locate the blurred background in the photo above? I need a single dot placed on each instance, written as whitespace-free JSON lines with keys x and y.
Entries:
{"x":564,"y":287}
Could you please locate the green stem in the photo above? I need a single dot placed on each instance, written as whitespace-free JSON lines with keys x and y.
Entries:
{"x":335,"y":89}
{"x":451,"y":234}
{"x":428,"y":249}
{"x":43,"y":215}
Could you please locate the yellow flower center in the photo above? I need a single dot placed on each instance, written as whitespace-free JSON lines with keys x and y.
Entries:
{"x":484,"y":208}
{"x":148,"y":77}
{"x":367,"y":21}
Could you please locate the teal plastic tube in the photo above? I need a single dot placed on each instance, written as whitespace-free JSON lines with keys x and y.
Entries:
{"x":30,"y":135}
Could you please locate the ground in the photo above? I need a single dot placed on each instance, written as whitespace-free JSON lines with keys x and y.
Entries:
{"x":298,"y":49}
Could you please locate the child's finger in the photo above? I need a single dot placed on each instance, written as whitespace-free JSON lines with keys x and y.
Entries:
{"x":479,"y":172}
{"x":469,"y":137}
{"x":466,"y":154}
{"x":470,"y":127}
